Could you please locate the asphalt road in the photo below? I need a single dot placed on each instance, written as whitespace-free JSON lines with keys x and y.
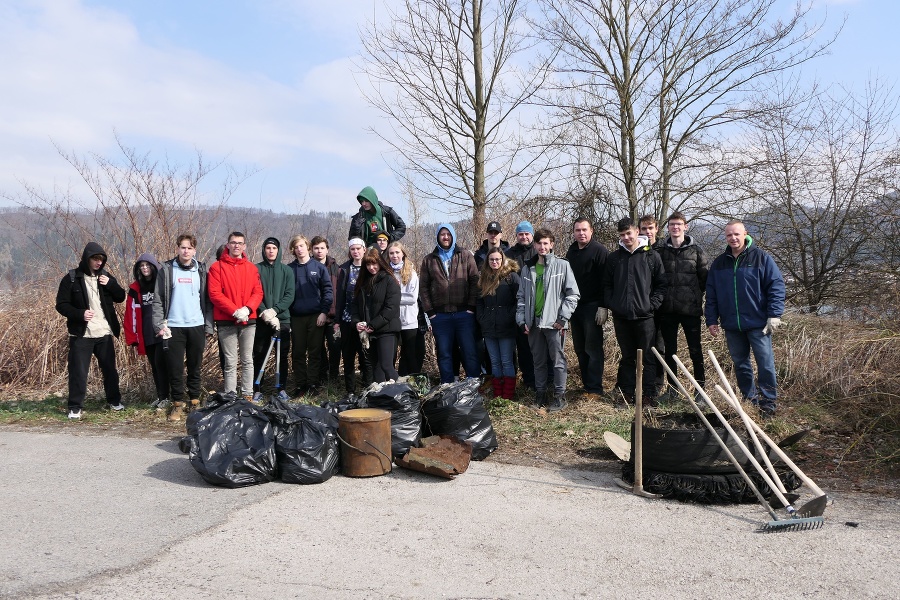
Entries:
{"x":107,"y":517}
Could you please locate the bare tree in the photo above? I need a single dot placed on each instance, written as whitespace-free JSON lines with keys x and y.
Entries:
{"x":450,"y":77}
{"x":652,"y":81}
{"x":136,"y":204}
{"x":821,"y":178}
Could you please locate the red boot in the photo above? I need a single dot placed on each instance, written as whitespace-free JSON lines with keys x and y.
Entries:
{"x":497,"y":384}
{"x":509,"y":387}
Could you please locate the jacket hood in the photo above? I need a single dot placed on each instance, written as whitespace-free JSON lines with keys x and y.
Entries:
{"x":262,"y":248}
{"x":449,"y":228}
{"x":145,"y":257}
{"x":748,"y":241}
{"x":226,"y":256}
{"x":643,"y":245}
{"x":368,"y":193}
{"x":92,"y":249}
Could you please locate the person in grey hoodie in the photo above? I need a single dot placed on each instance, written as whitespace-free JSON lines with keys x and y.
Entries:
{"x":546,"y":300}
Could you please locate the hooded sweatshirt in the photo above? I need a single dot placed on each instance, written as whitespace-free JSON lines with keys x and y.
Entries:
{"x":277,"y":283}
{"x":448,"y":279}
{"x":139,"y":308}
{"x":365,"y":224}
{"x":72,"y":296}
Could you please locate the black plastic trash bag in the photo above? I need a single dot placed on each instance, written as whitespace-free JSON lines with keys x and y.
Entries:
{"x":232,"y":443}
{"x":402,"y":401}
{"x":458,"y":409}
{"x":306,"y":443}
{"x":337,"y":407}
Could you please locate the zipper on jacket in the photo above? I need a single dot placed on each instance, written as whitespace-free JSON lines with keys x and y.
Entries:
{"x":737,"y":311}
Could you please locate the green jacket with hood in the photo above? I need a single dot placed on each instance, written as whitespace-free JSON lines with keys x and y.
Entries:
{"x":365,"y":224}
{"x":278,"y":285}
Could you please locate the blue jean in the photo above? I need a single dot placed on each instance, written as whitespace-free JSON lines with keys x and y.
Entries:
{"x":501,"y":352}
{"x":763,"y":390}
{"x":451,"y":329}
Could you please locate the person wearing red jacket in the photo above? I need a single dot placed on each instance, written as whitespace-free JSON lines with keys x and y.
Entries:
{"x":138,"y":323}
{"x":235,"y":291}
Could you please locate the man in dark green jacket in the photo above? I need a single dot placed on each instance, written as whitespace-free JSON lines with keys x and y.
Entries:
{"x":278,"y":295}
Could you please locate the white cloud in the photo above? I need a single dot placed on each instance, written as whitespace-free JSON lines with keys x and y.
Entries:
{"x":79,"y":73}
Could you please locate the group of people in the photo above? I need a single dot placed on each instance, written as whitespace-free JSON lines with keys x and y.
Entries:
{"x":502,"y":310}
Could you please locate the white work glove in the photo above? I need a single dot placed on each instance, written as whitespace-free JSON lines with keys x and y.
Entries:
{"x":772,"y":323}
{"x":337,"y":332}
{"x":364,"y":338}
{"x":601,"y":316}
{"x":274,"y":323}
{"x":242,"y":315}
{"x":267,"y":315}
{"x":165,"y":333}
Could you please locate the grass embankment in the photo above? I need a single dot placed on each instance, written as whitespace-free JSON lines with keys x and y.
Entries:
{"x":840,"y":380}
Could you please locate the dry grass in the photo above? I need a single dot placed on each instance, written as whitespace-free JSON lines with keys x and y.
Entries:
{"x":838,"y":379}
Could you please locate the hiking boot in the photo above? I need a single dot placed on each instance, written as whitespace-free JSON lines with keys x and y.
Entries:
{"x":177,"y":411}
{"x":159,"y":403}
{"x":314,"y":390}
{"x":75,"y":414}
{"x":540,"y":398}
{"x":558,"y":403}
{"x":116,"y":407}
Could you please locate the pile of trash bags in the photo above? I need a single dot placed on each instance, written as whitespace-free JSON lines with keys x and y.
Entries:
{"x":234,"y":443}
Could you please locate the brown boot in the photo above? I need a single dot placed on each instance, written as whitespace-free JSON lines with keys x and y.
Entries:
{"x":195,"y":404}
{"x":177,"y":411}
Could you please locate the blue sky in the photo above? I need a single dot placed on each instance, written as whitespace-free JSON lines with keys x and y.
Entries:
{"x":265,"y":84}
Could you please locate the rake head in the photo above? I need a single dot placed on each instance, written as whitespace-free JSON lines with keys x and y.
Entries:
{"x":793,"y":524}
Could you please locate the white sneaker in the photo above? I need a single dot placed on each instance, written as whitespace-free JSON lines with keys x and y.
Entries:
{"x":116,"y":407}
{"x":283,"y":395}
{"x":75,"y":414}
{"x":257,"y":398}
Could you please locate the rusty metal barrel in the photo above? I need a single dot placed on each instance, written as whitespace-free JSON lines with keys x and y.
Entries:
{"x":365,"y":435}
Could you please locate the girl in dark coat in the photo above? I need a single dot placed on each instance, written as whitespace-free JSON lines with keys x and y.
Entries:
{"x":139,"y":332}
{"x":376,"y":311}
{"x":495,"y":310}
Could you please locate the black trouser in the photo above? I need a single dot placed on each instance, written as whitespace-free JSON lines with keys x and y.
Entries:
{"x":382,"y":351}
{"x":80,"y":351}
{"x":351,"y":347}
{"x":525,"y":360}
{"x":659,"y":380}
{"x":330,"y":366}
{"x":185,"y":345}
{"x":692,"y":330}
{"x":412,"y":352}
{"x":587,"y":340}
{"x":156,"y":356}
{"x":261,"y":341}
{"x":633,"y":335}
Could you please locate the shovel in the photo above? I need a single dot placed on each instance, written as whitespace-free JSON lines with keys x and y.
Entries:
{"x":638,"y":488}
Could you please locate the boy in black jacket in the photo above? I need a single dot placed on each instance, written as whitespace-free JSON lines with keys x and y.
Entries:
{"x":85,"y":298}
{"x":634,"y":286}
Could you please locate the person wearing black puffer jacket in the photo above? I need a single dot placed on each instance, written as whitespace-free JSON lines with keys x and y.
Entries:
{"x":686,"y":268}
{"x":495,"y":310}
{"x":376,"y":311}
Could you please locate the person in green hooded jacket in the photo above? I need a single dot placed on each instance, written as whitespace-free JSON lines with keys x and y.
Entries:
{"x":374,"y":217}
{"x":278,"y":294}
